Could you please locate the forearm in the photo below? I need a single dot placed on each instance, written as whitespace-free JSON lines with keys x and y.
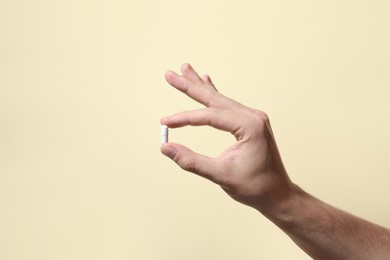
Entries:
{"x":325,"y":232}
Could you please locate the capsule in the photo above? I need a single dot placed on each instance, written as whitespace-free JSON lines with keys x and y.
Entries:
{"x":164,"y":134}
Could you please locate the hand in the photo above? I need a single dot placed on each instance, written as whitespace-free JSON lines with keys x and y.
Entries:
{"x":251,"y":170}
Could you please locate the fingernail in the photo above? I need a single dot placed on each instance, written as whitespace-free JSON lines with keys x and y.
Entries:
{"x":169,"y":151}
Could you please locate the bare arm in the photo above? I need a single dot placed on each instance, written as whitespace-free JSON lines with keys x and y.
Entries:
{"x":325,"y":232}
{"x":251,"y":171}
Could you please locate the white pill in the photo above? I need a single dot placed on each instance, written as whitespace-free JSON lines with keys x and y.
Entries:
{"x":164,"y":134}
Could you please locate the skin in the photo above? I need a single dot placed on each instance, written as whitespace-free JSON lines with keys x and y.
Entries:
{"x":251,"y":171}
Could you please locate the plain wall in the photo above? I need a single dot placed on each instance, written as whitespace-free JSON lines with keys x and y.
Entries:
{"x":82,"y":91}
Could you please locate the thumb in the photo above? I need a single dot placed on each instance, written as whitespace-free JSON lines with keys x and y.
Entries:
{"x":193,"y":162}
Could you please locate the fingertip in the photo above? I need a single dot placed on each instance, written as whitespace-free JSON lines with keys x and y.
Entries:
{"x":186,"y":67}
{"x":164,"y":120}
{"x":168,"y":75}
{"x":189,"y":73}
{"x":206,"y":78}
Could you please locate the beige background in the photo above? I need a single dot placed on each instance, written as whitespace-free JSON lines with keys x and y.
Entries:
{"x":82,"y":92}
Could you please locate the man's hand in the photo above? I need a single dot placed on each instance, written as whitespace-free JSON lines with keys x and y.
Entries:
{"x":251,"y":170}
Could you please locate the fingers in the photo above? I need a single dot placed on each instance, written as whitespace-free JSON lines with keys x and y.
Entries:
{"x":209,"y":168}
{"x":218,"y":118}
{"x":192,"y":85}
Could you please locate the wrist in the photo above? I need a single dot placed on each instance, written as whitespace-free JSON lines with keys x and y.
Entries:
{"x":285,"y":206}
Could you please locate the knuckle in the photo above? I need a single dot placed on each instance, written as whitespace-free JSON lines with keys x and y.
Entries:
{"x":259,"y":122}
{"x":261,"y":116}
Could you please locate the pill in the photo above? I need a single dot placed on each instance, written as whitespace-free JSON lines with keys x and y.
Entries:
{"x":164,"y":134}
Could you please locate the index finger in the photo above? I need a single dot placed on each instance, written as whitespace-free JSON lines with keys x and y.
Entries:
{"x":218,"y":118}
